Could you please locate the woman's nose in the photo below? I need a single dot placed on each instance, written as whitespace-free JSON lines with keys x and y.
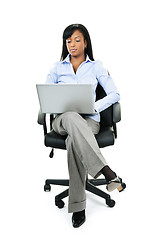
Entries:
{"x":72,"y":43}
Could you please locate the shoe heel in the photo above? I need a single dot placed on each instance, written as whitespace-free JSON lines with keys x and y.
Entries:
{"x":122,"y":187}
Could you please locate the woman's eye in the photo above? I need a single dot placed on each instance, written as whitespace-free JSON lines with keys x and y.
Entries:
{"x":69,"y":41}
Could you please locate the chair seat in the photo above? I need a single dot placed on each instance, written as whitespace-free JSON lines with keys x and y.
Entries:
{"x":104,"y":138}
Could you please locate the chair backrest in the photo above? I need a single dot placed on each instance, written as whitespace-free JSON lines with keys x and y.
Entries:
{"x":107,"y":114}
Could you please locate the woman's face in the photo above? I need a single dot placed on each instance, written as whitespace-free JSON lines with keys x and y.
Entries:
{"x":76,"y":44}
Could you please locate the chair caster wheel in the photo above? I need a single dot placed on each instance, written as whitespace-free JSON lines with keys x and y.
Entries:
{"x":51,"y":153}
{"x":47,"y":188}
{"x":59,"y":204}
{"x":110,"y":202}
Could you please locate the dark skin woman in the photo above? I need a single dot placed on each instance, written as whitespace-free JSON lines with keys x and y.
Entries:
{"x":77,"y":65}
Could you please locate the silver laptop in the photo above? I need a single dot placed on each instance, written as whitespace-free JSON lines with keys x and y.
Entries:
{"x":60,"y":98}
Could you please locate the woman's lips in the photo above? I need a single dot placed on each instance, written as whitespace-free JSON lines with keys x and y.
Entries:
{"x":73,"y":50}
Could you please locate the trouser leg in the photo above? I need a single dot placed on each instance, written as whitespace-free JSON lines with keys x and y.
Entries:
{"x":84,"y":155}
{"x":77,"y":182}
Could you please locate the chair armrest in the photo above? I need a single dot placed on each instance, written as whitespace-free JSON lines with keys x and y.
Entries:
{"x":116,"y":112}
{"x":41,"y":118}
{"x":42,"y":121}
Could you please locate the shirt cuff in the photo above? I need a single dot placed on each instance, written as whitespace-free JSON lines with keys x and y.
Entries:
{"x":97,"y":106}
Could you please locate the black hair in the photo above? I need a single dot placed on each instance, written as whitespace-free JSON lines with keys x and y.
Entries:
{"x":68,"y":32}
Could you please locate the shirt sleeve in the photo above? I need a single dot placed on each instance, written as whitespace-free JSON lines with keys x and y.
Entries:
{"x":109,"y":87}
{"x":52,"y":76}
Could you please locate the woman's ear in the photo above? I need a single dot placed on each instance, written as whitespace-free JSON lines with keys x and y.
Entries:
{"x":85,"y":43}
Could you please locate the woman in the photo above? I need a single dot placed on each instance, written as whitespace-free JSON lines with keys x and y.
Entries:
{"x":77,"y":65}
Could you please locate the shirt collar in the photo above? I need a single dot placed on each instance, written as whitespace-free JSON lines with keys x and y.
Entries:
{"x":67,"y":59}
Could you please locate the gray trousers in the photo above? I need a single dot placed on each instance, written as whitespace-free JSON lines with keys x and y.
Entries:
{"x":83,"y":154}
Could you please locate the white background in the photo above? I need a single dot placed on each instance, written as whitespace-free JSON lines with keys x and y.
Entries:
{"x":125,"y":37}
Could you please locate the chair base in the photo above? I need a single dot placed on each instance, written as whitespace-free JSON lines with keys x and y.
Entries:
{"x":90,"y":186}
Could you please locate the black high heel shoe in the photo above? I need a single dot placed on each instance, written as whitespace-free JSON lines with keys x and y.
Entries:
{"x":78,"y":218}
{"x":116,"y":183}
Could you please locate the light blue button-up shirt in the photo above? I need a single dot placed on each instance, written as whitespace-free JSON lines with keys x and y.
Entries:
{"x":89,"y":72}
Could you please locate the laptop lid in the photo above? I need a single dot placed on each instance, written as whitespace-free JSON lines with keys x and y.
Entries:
{"x":60,"y":98}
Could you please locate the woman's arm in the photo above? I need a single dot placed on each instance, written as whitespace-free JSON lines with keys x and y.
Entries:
{"x":109,"y":87}
{"x":52,"y":76}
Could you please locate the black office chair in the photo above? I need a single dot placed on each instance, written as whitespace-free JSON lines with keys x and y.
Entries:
{"x":105,"y":137}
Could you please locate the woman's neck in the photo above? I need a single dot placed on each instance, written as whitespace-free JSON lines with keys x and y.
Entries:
{"x":76,"y":61}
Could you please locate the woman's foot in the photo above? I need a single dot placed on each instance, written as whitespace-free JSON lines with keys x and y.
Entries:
{"x":108,"y":173}
{"x":78,"y":218}
{"x":113,"y":181}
